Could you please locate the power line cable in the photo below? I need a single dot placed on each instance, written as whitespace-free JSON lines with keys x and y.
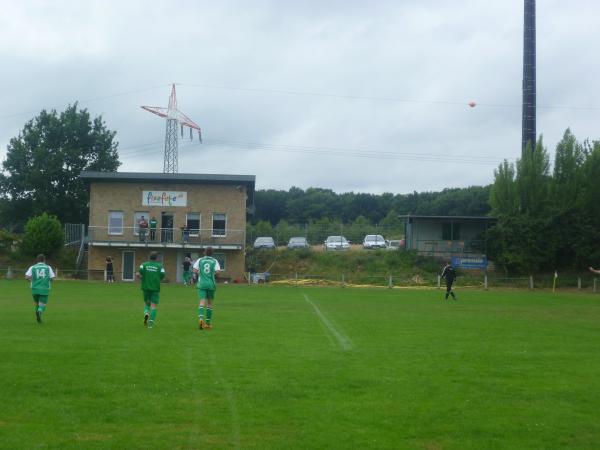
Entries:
{"x":386,"y":99}
{"x":139,"y":150}
{"x":85,"y":101}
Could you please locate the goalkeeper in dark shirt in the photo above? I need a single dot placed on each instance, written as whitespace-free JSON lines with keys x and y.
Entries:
{"x":450,"y":275}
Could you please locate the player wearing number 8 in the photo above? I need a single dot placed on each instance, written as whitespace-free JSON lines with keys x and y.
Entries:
{"x":207,"y":268}
{"x":40,"y":275}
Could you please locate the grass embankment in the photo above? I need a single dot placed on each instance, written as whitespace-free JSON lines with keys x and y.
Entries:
{"x":356,"y":266}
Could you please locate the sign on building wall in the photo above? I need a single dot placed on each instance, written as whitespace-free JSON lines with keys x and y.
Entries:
{"x":164,"y":198}
{"x":470,"y":262}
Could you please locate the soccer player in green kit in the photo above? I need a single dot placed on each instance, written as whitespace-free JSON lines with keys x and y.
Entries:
{"x":40,"y":275}
{"x":151,"y":272}
{"x":206,"y":268}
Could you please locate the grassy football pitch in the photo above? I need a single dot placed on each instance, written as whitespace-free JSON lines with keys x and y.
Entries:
{"x":300,"y":368}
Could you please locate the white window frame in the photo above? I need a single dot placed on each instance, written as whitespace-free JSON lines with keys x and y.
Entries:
{"x":213,"y":225}
{"x":221,"y":257}
{"x":137,"y":215}
{"x":111,"y":228}
{"x":199,"y":223}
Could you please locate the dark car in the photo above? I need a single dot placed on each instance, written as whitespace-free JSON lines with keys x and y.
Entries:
{"x":297,"y":242}
{"x":264,"y":242}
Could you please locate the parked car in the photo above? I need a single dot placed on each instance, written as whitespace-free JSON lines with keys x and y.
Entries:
{"x":395,"y":244}
{"x":336,"y":243}
{"x":264,"y":242}
{"x":297,"y":242}
{"x":374,"y":241}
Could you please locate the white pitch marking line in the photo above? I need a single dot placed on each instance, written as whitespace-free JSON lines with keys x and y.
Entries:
{"x":344,"y":342}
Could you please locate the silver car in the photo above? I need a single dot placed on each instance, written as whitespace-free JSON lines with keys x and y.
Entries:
{"x":336,"y":243}
{"x":374,"y":241}
{"x":264,"y":242}
{"x":297,"y":242}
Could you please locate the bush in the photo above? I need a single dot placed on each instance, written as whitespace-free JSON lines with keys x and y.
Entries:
{"x":43,"y":234}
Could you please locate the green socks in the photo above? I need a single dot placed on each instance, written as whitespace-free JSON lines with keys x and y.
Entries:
{"x":201,"y":312}
{"x":41,"y":308}
{"x":152,"y":318}
{"x":208,"y":315}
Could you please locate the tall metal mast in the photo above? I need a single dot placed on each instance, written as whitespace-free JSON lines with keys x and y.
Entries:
{"x":175,"y":120}
{"x":529,"y":76}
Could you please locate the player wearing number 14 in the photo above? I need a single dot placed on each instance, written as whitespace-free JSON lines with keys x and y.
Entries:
{"x":40,"y":275}
{"x":206,"y":268}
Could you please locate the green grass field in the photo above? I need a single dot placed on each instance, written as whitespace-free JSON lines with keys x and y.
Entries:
{"x":300,"y":368}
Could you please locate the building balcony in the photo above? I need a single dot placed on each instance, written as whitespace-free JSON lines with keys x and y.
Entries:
{"x":161,"y":238}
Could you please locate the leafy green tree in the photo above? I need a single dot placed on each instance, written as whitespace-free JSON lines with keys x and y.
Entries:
{"x":7,"y":239}
{"x":42,"y":166}
{"x":503,"y":194}
{"x":263,"y":228}
{"x":566,"y":182}
{"x":533,"y":181}
{"x":43,"y":234}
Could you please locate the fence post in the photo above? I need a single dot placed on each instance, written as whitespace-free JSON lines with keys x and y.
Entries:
{"x":296,"y":276}
{"x":343,"y":280}
{"x":485,"y":282}
{"x":579,"y":283}
{"x":439,"y":281}
{"x":594,"y":284}
{"x":531,"y":282}
{"x":249,"y":280}
{"x":390,"y":284}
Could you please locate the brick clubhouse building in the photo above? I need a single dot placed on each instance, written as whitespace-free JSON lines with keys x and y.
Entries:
{"x":185,"y":213}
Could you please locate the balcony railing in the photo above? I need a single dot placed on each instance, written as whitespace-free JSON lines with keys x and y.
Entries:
{"x":435,"y":247}
{"x":165,"y":237}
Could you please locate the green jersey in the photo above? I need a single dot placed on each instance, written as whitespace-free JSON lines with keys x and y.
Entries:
{"x":40,"y":275}
{"x":151,"y":272}
{"x":207,"y":267}
{"x":153,"y":224}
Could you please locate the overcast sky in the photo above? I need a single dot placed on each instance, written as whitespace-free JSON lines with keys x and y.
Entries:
{"x":364,"y":96}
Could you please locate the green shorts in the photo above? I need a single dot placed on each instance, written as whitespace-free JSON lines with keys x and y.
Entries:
{"x":151,"y":297}
{"x":40,"y":298}
{"x":206,"y":293}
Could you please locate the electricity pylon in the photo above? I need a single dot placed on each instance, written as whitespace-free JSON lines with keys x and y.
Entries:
{"x":175,"y":120}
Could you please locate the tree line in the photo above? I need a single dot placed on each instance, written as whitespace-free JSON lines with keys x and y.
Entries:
{"x":306,"y":206}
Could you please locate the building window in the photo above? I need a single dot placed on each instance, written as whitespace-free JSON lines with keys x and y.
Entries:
{"x":115,"y":222}
{"x":136,"y":220}
{"x":450,"y":231}
{"x":222,"y":260}
{"x":193,"y":223}
{"x":219,"y":225}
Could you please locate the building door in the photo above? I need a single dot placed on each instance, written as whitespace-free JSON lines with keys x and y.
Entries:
{"x":166,"y":225}
{"x":128,"y":266}
{"x":180,"y":255}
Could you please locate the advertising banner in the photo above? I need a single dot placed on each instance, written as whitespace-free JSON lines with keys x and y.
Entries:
{"x":164,"y":198}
